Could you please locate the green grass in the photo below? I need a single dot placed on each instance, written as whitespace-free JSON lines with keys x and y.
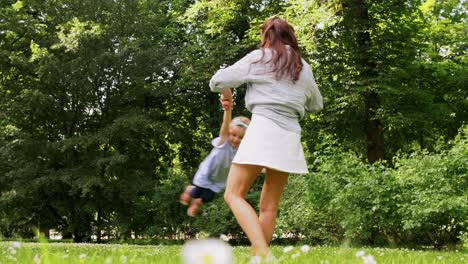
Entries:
{"x":45,"y":253}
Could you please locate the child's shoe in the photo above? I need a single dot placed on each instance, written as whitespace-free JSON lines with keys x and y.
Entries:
{"x":185,"y":197}
{"x":194,"y":207}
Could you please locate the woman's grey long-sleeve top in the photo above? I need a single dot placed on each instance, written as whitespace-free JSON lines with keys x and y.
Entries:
{"x":282,"y":101}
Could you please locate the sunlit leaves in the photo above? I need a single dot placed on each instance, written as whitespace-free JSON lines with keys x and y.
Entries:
{"x":18,"y":5}
{"x":321,"y":15}
{"x":37,"y":52}
{"x":216,"y":14}
{"x":71,"y":33}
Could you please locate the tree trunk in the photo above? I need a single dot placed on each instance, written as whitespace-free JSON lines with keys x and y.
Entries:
{"x":99,"y":226}
{"x":81,"y":224}
{"x":45,"y":231}
{"x":374,"y":127}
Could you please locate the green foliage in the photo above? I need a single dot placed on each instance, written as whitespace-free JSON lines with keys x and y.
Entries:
{"x":105,"y":114}
{"x":434,"y":198}
{"x":421,"y":201}
{"x":304,"y":217}
{"x":91,"y":125}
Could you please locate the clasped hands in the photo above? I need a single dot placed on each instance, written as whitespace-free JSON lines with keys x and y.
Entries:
{"x":226,"y":99}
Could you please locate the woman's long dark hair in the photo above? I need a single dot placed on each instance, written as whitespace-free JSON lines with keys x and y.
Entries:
{"x":276,"y":34}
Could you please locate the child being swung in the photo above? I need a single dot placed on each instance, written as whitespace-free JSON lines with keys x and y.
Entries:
{"x":213,"y":171}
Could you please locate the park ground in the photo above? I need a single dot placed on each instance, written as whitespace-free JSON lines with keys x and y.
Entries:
{"x":46,"y":253}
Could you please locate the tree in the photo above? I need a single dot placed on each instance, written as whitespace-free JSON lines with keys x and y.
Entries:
{"x":85,"y":89}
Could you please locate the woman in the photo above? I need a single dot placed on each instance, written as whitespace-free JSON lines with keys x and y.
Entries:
{"x":280,"y":90}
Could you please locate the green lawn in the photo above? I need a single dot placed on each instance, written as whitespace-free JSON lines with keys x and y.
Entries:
{"x":20,"y":252}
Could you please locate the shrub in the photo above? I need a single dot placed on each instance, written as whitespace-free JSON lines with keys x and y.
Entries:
{"x":420,"y":201}
{"x":434,"y":208}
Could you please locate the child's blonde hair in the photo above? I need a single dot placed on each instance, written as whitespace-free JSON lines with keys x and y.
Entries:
{"x":241,"y":121}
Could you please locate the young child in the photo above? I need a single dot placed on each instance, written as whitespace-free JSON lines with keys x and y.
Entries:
{"x":213,"y":171}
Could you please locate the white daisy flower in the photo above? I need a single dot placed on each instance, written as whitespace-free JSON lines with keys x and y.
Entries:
{"x":287,"y":249}
{"x":368,"y":260}
{"x":224,"y":238}
{"x":16,"y":244}
{"x":305,"y":248}
{"x":360,"y":253}
{"x":36,"y":259}
{"x":209,"y":251}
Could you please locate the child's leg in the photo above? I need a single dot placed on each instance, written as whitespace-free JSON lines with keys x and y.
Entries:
{"x":240,"y":179}
{"x":186,"y":197}
{"x":203,"y":196}
{"x":195,"y":205}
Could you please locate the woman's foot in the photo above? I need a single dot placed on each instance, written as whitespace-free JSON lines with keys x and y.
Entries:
{"x":255,"y":260}
{"x":185,"y":197}
{"x":269,"y":258}
{"x":194,"y":207}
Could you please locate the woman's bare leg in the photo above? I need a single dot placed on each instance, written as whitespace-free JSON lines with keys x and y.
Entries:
{"x":269,"y":200}
{"x":240,"y":179}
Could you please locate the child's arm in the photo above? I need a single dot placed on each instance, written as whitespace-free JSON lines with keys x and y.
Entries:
{"x":226,"y":102}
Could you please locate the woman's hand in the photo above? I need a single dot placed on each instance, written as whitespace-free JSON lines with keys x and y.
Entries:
{"x":227,"y":105}
{"x":226,"y":99}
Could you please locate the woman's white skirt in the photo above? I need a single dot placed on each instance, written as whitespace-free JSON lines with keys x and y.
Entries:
{"x":267,"y":144}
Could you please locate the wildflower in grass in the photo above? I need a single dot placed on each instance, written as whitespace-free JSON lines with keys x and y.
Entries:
{"x":224,"y":238}
{"x":368,"y":260}
{"x":36,"y":259}
{"x":209,"y":251}
{"x":295,"y":255}
{"x":82,"y":256}
{"x":16,"y":244}
{"x":360,"y":253}
{"x":287,"y":249}
{"x":305,"y":248}
{"x":108,"y":260}
{"x":439,"y":257}
{"x":123,"y":259}
{"x":11,"y":250}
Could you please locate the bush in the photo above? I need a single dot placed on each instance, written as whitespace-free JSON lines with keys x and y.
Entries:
{"x":421,"y":201}
{"x":360,"y":198}
{"x":434,"y":208}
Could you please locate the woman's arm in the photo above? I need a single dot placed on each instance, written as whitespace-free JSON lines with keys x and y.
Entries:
{"x":235,"y":75}
{"x":314,"y":100}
